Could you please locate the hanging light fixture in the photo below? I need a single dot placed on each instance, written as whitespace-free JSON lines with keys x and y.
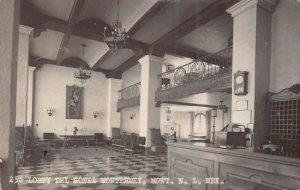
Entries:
{"x":118,"y":36}
{"x":83,"y":73}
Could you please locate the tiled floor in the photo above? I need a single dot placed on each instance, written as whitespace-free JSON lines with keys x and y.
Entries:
{"x":97,"y":167}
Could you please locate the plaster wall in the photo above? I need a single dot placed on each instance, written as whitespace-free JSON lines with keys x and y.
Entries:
{"x":50,"y":92}
{"x":131,"y":125}
{"x":285,"y":57}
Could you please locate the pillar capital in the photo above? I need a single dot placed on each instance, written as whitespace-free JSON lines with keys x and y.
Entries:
{"x":238,"y":8}
{"x":25,"y":30}
{"x":31,"y":69}
{"x":112,"y":80}
{"x":152,"y":59}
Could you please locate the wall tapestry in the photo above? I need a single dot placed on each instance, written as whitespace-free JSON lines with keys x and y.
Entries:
{"x":74,"y":102}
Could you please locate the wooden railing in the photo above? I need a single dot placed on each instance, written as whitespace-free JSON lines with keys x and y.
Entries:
{"x":130,"y":92}
{"x":204,"y":68}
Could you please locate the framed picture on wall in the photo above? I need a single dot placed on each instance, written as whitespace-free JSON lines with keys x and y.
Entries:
{"x":74,"y":102}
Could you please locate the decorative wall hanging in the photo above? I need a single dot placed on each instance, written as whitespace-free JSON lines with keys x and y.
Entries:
{"x":74,"y":102}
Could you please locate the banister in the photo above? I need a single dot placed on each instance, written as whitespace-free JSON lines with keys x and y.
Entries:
{"x":129,"y":92}
{"x":200,"y":69}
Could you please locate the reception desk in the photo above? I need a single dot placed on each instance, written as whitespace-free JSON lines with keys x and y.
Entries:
{"x":204,"y":166}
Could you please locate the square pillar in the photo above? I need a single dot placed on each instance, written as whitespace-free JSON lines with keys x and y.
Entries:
{"x":251,"y":52}
{"x":113,"y":117}
{"x":9,"y":33}
{"x":149,"y":114}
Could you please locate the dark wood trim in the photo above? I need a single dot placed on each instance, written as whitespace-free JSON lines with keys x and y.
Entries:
{"x":78,"y":4}
{"x":188,"y":104}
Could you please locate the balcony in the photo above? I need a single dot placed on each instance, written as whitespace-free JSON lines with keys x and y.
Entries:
{"x":208,"y":74}
{"x":129,"y":96}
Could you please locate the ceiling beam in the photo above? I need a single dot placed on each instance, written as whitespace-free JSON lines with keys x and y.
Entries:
{"x":78,"y":4}
{"x":29,"y":16}
{"x":189,"y":104}
{"x":213,"y":11}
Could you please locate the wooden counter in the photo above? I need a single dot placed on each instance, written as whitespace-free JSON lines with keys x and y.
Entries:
{"x":239,"y":169}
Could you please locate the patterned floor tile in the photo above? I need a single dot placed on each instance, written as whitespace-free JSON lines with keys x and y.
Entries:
{"x":86,"y":166}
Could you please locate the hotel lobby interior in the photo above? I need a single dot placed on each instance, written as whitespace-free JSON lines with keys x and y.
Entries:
{"x":150,"y":94}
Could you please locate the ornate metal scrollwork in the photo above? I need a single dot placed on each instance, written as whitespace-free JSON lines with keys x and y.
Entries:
{"x":197,"y":70}
{"x":130,"y":92}
{"x":179,"y":75}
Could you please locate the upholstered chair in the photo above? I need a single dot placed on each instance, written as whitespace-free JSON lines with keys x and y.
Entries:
{"x":158,"y":144}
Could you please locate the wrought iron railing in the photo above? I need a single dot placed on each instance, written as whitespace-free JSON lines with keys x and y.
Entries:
{"x":204,"y":68}
{"x":130,"y":91}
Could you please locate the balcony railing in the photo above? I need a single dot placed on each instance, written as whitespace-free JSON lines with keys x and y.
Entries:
{"x":130,"y":92}
{"x":204,"y":68}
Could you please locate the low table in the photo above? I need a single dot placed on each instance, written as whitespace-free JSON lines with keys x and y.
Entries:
{"x":78,"y":137}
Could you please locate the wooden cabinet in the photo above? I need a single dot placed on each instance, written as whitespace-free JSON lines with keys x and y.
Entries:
{"x":235,"y":169}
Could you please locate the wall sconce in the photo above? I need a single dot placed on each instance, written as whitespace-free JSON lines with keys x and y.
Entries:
{"x":132,"y":115}
{"x":50,"y":111}
{"x":97,"y":114}
{"x":168,"y":113}
{"x":214,"y":113}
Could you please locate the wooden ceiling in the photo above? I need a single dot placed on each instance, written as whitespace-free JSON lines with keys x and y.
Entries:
{"x":185,"y":28}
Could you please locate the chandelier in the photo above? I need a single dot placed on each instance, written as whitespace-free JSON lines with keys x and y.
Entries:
{"x":117,"y":38}
{"x":83,"y":74}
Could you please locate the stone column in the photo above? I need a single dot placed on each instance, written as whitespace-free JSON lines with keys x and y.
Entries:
{"x":251,"y":52}
{"x":30,"y":98}
{"x":9,"y":35}
{"x":113,"y":117}
{"x":149,"y":114}
{"x":22,"y":80}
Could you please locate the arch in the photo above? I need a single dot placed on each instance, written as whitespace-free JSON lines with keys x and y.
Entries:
{"x":200,"y":124}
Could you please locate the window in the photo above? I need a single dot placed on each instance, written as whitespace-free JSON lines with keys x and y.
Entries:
{"x":200,"y":124}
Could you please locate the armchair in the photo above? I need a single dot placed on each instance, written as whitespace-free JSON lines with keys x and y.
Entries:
{"x":134,"y":144}
{"x":99,"y":139}
{"x":158,"y":144}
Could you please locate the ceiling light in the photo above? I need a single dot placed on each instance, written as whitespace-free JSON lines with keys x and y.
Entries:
{"x":83,"y":73}
{"x":116,"y":39}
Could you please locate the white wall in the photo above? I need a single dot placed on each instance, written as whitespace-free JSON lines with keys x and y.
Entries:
{"x":285,"y":56}
{"x":131,"y":125}
{"x":50,"y":92}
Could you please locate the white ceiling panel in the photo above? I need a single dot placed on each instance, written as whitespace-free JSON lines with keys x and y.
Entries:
{"x":211,"y":37}
{"x":60,"y":9}
{"x":93,"y":51}
{"x":46,"y":45}
{"x":175,"y":13}
{"x":176,"y":61}
{"x":116,"y":59}
{"x":106,"y":10}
